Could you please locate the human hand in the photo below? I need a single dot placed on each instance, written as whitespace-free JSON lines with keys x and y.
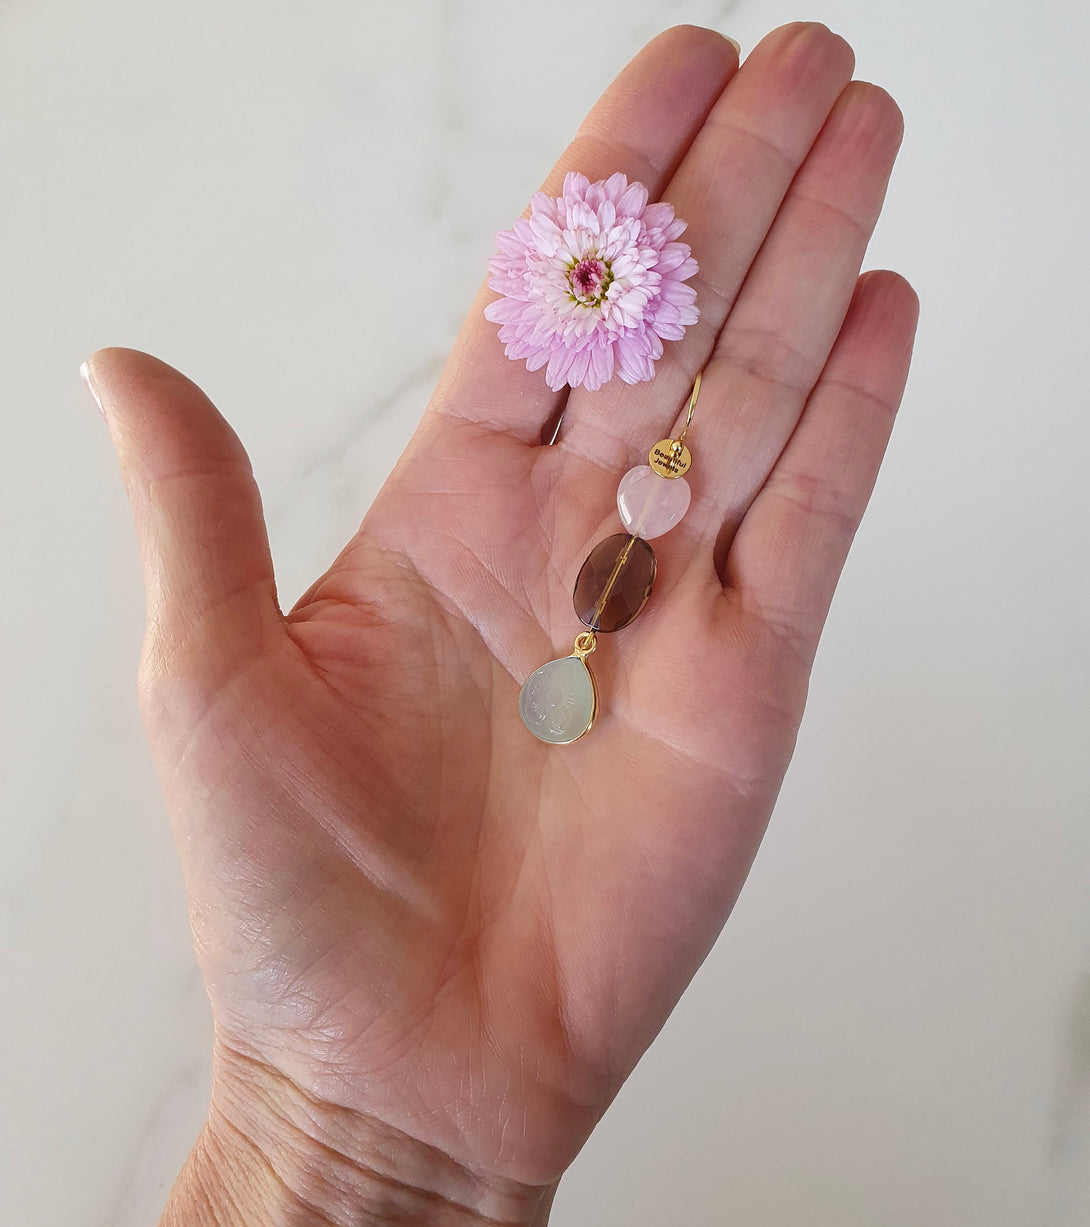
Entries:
{"x":434,"y":946}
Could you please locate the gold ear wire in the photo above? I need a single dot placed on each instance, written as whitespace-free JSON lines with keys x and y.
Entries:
{"x":670,"y":457}
{"x":692,"y":406}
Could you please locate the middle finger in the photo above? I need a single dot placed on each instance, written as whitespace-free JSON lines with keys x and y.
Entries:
{"x":729,"y":188}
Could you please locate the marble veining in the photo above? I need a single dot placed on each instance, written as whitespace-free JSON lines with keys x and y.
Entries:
{"x":295,"y":207}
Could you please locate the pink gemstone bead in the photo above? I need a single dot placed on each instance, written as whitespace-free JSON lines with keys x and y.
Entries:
{"x":649,"y":504}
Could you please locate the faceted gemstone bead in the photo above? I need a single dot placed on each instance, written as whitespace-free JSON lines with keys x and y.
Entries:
{"x":615,"y":581}
{"x":558,"y":701}
{"x":649,"y":504}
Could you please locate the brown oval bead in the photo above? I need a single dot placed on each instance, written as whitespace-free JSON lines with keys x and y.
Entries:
{"x":614,"y":582}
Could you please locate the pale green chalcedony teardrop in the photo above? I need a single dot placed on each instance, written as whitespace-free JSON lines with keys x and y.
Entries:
{"x":558,"y":701}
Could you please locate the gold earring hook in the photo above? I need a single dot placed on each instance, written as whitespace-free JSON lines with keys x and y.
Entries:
{"x":692,"y":406}
{"x":670,"y":457}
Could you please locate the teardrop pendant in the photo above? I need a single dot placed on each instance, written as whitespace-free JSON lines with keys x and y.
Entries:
{"x":559,"y":701}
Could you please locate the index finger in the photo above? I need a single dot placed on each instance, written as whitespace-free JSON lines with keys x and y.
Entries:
{"x":642,"y":126}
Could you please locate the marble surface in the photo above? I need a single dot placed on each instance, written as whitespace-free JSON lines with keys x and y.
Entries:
{"x":894,"y":1028}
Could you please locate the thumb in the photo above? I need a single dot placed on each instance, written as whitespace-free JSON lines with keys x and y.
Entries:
{"x":208,"y":576}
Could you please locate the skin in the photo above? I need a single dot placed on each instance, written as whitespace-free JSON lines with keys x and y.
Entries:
{"x":435,"y":947}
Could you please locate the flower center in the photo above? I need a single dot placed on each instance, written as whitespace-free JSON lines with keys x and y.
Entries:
{"x":589,"y":279}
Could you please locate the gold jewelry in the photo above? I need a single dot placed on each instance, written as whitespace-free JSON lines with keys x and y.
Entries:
{"x":559,"y":702}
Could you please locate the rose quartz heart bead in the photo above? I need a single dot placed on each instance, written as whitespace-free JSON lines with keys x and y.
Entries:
{"x":649,"y":504}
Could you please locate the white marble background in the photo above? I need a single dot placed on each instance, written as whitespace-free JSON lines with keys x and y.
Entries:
{"x":894,"y":1029}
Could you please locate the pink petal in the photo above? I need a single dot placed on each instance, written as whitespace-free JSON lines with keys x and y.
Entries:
{"x":672,"y":256}
{"x":543,"y":203}
{"x":615,"y":187}
{"x":577,"y":372}
{"x":675,"y":228}
{"x":585,"y":218}
{"x":546,"y":233}
{"x":668,"y":332}
{"x":559,"y":363}
{"x":508,"y":243}
{"x":506,"y":311}
{"x":677,"y":292}
{"x":659,"y":215}
{"x":575,"y":185}
{"x":634,"y":200}
{"x":602,"y":360}
{"x":627,"y":355}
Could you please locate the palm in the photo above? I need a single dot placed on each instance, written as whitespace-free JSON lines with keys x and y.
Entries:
{"x":444,"y":876}
{"x":393,"y":885}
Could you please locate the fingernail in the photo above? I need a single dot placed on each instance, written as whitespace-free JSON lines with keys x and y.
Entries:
{"x":85,"y":375}
{"x":734,"y":43}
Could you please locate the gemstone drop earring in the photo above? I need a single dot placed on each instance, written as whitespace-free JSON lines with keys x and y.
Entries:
{"x":559,"y":701}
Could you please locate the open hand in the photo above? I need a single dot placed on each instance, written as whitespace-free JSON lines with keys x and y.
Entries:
{"x":434,"y":946}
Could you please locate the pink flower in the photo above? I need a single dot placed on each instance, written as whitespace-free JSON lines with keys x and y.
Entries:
{"x":592,"y":283}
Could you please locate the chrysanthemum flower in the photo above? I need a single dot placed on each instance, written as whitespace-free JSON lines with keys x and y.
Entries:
{"x":592,"y":283}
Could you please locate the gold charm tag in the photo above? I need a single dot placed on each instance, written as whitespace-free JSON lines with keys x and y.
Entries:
{"x":670,"y":458}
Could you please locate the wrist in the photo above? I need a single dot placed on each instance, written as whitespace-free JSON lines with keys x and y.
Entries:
{"x":270,"y":1155}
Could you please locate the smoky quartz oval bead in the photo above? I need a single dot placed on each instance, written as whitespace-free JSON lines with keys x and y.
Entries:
{"x":614,"y":582}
